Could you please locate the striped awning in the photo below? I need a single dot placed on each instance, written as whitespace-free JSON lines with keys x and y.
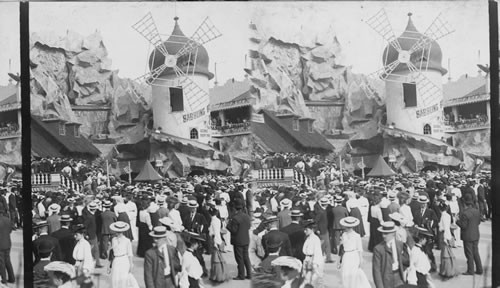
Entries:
{"x":467,"y":100}
{"x":231,"y":104}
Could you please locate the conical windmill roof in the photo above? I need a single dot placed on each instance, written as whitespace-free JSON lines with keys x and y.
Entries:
{"x":381,"y":169}
{"x":174,"y":44}
{"x":148,"y":173}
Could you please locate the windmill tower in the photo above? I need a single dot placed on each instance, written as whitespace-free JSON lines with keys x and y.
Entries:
{"x":179,"y":78}
{"x":412,"y":72}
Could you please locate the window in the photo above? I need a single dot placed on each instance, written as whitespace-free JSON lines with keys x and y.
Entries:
{"x":310,"y":126}
{"x":296,"y":124}
{"x":62,"y":129}
{"x":193,"y":134}
{"x":427,"y":129}
{"x":410,"y":94}
{"x":176,"y":99}
{"x":77,"y":131}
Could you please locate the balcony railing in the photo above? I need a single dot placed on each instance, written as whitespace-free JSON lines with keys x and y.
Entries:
{"x":467,"y":124}
{"x":231,"y":129}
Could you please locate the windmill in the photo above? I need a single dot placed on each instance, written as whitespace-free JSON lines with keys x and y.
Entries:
{"x":197,"y":97}
{"x":413,"y":57}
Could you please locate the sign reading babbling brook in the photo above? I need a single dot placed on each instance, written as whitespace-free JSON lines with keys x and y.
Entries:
{"x":194,"y":115}
{"x":427,"y":111}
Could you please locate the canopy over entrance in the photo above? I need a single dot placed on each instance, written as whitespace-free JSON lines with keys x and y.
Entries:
{"x":381,"y":169}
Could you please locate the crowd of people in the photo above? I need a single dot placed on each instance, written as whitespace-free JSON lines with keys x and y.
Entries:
{"x":472,"y":120}
{"x":297,"y":230}
{"x":230,"y":127}
{"x":170,"y":224}
{"x":9,"y":128}
{"x":10,"y":220}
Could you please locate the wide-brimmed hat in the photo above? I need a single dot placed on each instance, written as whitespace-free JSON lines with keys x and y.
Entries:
{"x":195,"y":236}
{"x":396,"y":216}
{"x":338,"y":199}
{"x":423,"y":199}
{"x":270,"y":219}
{"x":119,"y":226}
{"x":296,"y":213}
{"x":159,"y":232}
{"x":391,"y":195}
{"x":40,"y":224}
{"x":66,"y":218}
{"x":415,"y":196}
{"x":106,"y":204}
{"x":167,"y":221}
{"x":424,"y":231}
{"x":192,"y":204}
{"x":62,"y":267}
{"x":387,"y":227}
{"x":324,"y":201}
{"x":286,"y":203}
{"x":92,"y":205}
{"x":349,"y":221}
{"x":288,"y":261}
{"x":54,"y":207}
{"x":421,"y":185}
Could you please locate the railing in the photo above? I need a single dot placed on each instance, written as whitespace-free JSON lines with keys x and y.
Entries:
{"x":282,"y":176}
{"x":47,"y":179}
{"x":467,"y":124}
{"x":231,"y":129}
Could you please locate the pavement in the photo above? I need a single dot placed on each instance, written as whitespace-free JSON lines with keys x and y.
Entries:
{"x":332,"y":274}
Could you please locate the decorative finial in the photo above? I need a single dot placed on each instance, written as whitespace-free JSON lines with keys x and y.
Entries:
{"x":176,"y":18}
{"x":409,"y":14}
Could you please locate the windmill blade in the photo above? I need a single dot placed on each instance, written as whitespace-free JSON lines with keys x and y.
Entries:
{"x":196,"y":96}
{"x":426,"y":88}
{"x":206,"y":32}
{"x":437,"y":30}
{"x":386,"y":71}
{"x":151,"y":76}
{"x":380,"y":23}
{"x":147,"y":28}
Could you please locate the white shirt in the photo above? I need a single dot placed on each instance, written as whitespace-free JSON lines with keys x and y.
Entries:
{"x":225,"y":196}
{"x":191,"y":265}
{"x":41,"y":209}
{"x":274,"y":204}
{"x":395,"y":263}
{"x":224,"y":214}
{"x":445,"y":225}
{"x":214,"y":230}
{"x":131,"y":209}
{"x":419,"y":260}
{"x":175,"y":216}
{"x":405,"y":210}
{"x":363,"y":205}
{"x":82,"y":252}
{"x":312,"y":247}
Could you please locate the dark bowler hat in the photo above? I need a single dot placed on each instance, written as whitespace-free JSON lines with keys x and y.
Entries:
{"x":45,"y":247}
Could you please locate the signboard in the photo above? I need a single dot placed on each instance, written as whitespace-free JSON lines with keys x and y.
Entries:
{"x":159,"y":163}
{"x":258,"y":118}
{"x":204,"y":133}
{"x":427,"y":111}
{"x":231,"y":104}
{"x":392,"y":158}
{"x":194,"y":115}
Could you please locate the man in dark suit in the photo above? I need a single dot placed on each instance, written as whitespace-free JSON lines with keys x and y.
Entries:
{"x":339,"y":212}
{"x":5,"y":245}
{"x":155,"y":259}
{"x":266,"y":265}
{"x":321,"y":219}
{"x":196,"y":222}
{"x":66,"y":239}
{"x":44,"y":237}
{"x":107,"y":218}
{"x":296,"y":234}
{"x":40,"y":276}
{"x":4,"y":207}
{"x":390,"y":259}
{"x":90,"y":222}
{"x":274,"y":235}
{"x":238,"y":226}
{"x":13,"y":207}
{"x":481,"y":199}
{"x":469,"y":221}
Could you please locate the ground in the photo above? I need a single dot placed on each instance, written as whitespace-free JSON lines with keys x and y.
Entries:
{"x":332,"y":275}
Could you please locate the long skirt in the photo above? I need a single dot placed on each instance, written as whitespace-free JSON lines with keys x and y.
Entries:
{"x":352,"y":275}
{"x":375,"y":235}
{"x":447,"y":267}
{"x":119,"y":271}
{"x":145,"y":241}
{"x":218,"y":271}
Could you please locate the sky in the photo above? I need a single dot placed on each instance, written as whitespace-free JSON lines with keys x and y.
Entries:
{"x":295,"y":21}
{"x":9,"y":40}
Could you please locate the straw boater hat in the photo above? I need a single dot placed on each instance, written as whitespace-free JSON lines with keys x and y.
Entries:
{"x":192,"y":204}
{"x":349,"y":221}
{"x":40,"y":224}
{"x":415,"y":196}
{"x":66,"y":218}
{"x":159,"y":232}
{"x":423,"y":199}
{"x":424,"y":231}
{"x":387,"y":227}
{"x":62,"y":267}
{"x":270,"y":219}
{"x":324,"y":201}
{"x":288,"y":261}
{"x":391,"y":196}
{"x":92,"y":205}
{"x":296,"y":213}
{"x":106,"y":204}
{"x":339,"y":199}
{"x":119,"y":226}
{"x":193,"y":235}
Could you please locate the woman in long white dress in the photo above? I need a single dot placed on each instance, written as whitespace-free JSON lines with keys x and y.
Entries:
{"x":122,"y":262}
{"x":350,"y":263}
{"x":312,"y":270}
{"x":82,"y":253}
